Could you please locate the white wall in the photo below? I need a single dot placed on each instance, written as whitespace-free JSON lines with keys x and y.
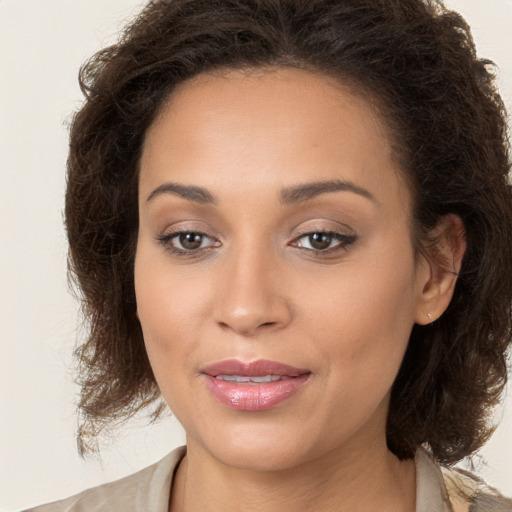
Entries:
{"x":42,"y":44}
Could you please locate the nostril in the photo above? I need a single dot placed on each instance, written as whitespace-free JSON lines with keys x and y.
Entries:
{"x":249,"y":329}
{"x":248,"y":319}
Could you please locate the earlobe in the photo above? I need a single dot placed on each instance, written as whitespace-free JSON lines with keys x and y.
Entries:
{"x":441,"y":264}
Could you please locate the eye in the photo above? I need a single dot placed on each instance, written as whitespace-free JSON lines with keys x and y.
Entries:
{"x":183,"y":242}
{"x":323,"y":241}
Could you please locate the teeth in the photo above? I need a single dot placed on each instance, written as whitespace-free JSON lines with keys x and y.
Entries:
{"x":265,"y":378}
{"x":234,"y":378}
{"x":245,"y":378}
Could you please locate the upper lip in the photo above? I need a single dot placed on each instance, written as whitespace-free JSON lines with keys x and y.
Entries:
{"x":257,"y":368}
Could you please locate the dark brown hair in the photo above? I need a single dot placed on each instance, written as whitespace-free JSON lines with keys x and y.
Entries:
{"x":418,"y":61}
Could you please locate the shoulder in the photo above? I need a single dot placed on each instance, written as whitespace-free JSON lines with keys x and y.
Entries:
{"x":469,"y":493}
{"x":442,"y":489}
{"x":147,"y":489}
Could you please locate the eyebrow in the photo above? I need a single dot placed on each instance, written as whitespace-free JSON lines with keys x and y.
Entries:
{"x":300,"y":193}
{"x":289,"y":195}
{"x":197,"y":194}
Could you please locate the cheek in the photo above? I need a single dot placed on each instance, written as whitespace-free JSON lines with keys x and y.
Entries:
{"x":171,"y":309}
{"x":363,"y":319}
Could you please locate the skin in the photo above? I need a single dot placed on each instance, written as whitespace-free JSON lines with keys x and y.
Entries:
{"x":255,"y":289}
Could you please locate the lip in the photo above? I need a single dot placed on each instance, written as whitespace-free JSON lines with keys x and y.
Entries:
{"x":254,"y":396}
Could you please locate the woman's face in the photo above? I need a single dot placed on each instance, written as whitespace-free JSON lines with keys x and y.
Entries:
{"x":275,"y":274}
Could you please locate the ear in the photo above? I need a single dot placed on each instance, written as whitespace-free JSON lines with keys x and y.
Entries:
{"x":438,"y":271}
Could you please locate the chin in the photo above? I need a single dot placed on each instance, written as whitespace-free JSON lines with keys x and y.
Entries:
{"x":253,"y":446}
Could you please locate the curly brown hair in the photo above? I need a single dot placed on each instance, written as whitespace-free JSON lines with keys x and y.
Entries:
{"x":417,"y":60}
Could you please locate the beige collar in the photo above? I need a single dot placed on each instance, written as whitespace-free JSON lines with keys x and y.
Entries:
{"x":431,"y":494}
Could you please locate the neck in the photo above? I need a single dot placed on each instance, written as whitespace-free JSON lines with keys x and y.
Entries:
{"x":342,"y":480}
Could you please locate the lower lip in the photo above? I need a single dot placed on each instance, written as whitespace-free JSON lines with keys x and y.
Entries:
{"x":256,"y":396}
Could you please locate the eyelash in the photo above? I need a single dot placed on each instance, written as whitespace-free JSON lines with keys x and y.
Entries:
{"x":345,"y":242}
{"x":166,"y":241}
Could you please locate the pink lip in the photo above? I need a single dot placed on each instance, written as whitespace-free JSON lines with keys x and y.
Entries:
{"x":254,"y":396}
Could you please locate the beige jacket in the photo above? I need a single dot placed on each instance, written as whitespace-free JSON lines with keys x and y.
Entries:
{"x":437,"y":490}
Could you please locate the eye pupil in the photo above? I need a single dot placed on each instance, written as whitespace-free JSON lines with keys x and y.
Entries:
{"x":320,"y":240}
{"x":190,"y":240}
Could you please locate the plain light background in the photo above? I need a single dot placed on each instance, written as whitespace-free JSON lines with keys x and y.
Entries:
{"x":42,"y":44}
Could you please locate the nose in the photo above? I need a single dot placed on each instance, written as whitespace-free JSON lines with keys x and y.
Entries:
{"x":251,"y":297}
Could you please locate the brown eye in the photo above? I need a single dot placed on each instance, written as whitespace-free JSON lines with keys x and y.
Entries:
{"x":187,"y":242}
{"x":320,"y":241}
{"x":324,"y":241}
{"x":190,"y":241}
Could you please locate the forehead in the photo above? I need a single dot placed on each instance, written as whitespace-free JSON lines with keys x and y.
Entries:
{"x":273,"y":127}
{"x":270,"y":98}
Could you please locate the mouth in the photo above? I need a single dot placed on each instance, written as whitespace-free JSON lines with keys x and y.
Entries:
{"x":254,"y":386}
{"x":244,"y":379}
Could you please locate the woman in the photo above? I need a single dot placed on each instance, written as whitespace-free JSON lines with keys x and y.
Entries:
{"x":291,"y":219}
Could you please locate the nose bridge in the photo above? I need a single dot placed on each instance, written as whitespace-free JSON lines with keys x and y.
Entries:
{"x":250,"y":297}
